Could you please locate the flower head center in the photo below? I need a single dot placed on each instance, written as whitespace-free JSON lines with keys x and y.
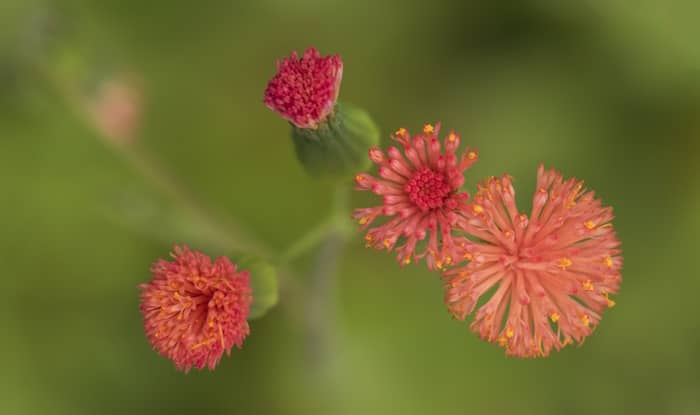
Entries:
{"x":428,"y":189}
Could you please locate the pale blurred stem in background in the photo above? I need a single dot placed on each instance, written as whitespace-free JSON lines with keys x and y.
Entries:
{"x":220,"y":231}
{"x":320,"y":309}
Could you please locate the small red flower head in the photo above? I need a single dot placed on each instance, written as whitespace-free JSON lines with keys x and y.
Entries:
{"x":551,"y":273}
{"x":194,"y":309}
{"x":420,"y":191}
{"x":304,"y":90}
{"x":117,"y":109}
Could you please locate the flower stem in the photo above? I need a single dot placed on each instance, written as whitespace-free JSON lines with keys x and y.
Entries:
{"x":309,"y":240}
{"x":322,"y":285}
{"x":224,"y":233}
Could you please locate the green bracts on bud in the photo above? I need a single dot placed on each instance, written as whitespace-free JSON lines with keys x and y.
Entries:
{"x":338,"y":147}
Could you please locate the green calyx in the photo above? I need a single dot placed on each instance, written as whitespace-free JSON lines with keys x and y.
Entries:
{"x":338,"y":147}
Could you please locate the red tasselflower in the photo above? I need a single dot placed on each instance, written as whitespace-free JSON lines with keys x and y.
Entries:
{"x":194,"y":309}
{"x":420,"y":190}
{"x":304,"y":90}
{"x":550,"y":274}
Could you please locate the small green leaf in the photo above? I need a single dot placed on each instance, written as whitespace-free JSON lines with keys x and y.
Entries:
{"x":263,"y":281}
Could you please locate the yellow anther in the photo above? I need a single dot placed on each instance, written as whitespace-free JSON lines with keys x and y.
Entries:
{"x":428,"y":128}
{"x":478,"y":208}
{"x":554,"y":317}
{"x":589,"y":224}
{"x":438,"y":264}
{"x":611,"y":303}
{"x":608,"y":261}
{"x":407,"y":260}
{"x":508,"y":234}
{"x":585,"y":320}
{"x":510,"y":333}
{"x":364,"y":220}
{"x":471,"y":155}
{"x":468,"y":256}
{"x":448,"y":260}
{"x":359,"y":178}
{"x":387,"y":243}
{"x":451,"y":137}
{"x":401,"y":131}
{"x":587,"y":285}
{"x":502,"y":341}
{"x":565,"y":263}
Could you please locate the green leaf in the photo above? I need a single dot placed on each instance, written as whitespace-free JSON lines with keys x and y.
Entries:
{"x":263,"y":281}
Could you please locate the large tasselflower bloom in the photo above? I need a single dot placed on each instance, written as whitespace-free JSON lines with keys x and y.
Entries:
{"x":420,"y":195}
{"x":195,"y":309}
{"x":305,"y":89}
{"x":550,"y":274}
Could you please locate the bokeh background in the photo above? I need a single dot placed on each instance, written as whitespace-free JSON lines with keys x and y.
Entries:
{"x":607,"y":91}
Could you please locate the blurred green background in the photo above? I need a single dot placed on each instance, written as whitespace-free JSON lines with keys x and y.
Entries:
{"x":605,"y":91}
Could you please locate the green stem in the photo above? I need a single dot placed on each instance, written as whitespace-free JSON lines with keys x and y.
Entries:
{"x":309,"y":240}
{"x":222,"y":232}
{"x":322,"y":288}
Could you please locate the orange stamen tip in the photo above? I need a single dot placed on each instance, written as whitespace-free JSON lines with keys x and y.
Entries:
{"x":554,"y":317}
{"x":608,"y":261}
{"x":564,"y":263}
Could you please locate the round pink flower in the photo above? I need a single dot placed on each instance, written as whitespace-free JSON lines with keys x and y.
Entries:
{"x":194,"y":309}
{"x":550,"y":274}
{"x":420,"y":195}
{"x":304,"y":90}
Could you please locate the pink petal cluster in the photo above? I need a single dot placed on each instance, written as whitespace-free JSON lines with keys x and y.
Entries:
{"x":419,"y":185}
{"x":304,"y":90}
{"x":194,"y":309}
{"x":548,"y":275}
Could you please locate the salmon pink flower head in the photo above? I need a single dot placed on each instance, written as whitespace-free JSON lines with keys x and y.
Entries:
{"x":195,"y":309}
{"x":420,"y":194}
{"x":551,"y":273}
{"x":305,"y":89}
